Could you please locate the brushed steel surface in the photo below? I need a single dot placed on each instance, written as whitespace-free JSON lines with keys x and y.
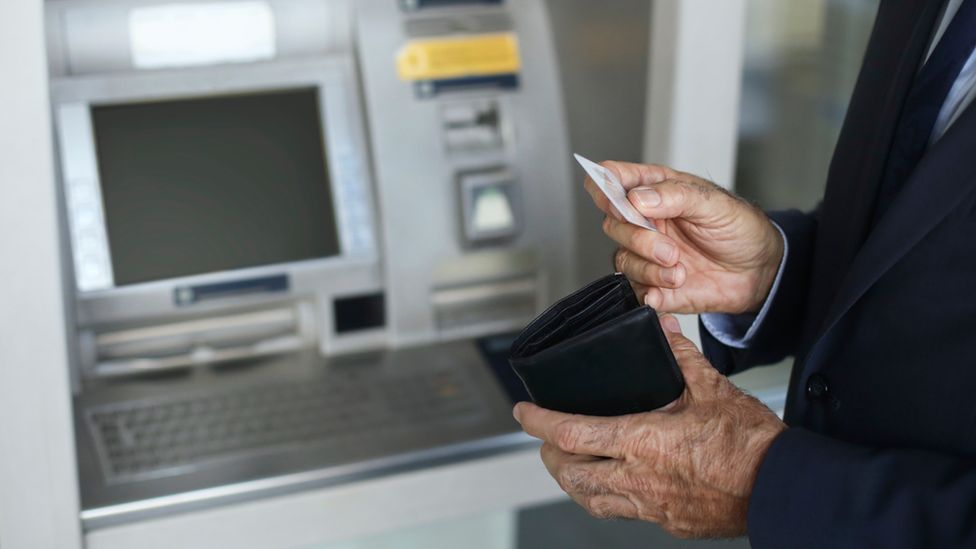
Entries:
{"x":107,"y":500}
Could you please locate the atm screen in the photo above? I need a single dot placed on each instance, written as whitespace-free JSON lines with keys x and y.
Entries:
{"x":213,"y":184}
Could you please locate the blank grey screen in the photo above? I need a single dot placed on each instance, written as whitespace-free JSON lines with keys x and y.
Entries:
{"x":212,"y":184}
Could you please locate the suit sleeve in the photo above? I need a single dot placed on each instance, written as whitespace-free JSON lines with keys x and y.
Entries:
{"x":778,"y":335}
{"x":813,"y":491}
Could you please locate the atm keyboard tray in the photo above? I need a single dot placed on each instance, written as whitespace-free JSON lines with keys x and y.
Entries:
{"x":150,"y":447}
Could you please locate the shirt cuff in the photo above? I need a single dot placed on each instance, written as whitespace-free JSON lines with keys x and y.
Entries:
{"x":737,"y":331}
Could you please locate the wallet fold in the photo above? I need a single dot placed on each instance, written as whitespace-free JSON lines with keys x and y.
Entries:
{"x":597,"y":352}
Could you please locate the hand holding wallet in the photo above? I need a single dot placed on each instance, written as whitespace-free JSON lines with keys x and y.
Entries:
{"x":598,"y":352}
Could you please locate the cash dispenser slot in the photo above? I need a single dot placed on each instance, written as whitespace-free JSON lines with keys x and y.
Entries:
{"x":433,"y":88}
{"x":488,"y":306}
{"x":415,"y":5}
{"x":174,"y":345}
{"x":488,"y":291}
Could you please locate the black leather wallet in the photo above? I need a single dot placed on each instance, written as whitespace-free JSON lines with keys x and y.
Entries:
{"x":598,"y":352}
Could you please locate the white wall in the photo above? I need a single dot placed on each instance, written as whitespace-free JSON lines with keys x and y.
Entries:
{"x":38,"y":494}
{"x":695,"y":83}
{"x":692,"y":118}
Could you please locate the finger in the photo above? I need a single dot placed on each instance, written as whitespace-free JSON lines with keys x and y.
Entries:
{"x":653,"y":246}
{"x":639,"y":290}
{"x":670,"y":324}
{"x":671,"y":300}
{"x":568,"y":471}
{"x":666,"y":300}
{"x":654,"y":298}
{"x":693,"y":199}
{"x":681,"y":346}
{"x":692,"y":362}
{"x":611,"y":506}
{"x":643,"y":272}
{"x":630,"y":175}
{"x":576,"y":434}
{"x":633,"y":175}
{"x":581,"y":475}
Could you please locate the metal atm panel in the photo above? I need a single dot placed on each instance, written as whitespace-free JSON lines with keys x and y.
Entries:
{"x":226,"y":386}
{"x":424,"y":169}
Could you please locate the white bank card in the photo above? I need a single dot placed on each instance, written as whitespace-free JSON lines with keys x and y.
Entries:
{"x":614,"y":191}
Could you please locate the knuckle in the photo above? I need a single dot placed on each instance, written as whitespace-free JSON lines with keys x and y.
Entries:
{"x":687,"y":356}
{"x":644,"y":244}
{"x":634,"y":240}
{"x":613,"y":433}
{"x":683,"y":193}
{"x":639,"y":484}
{"x":650,"y":272}
{"x":683,"y":346}
{"x":621,"y":260}
{"x":668,"y":191}
{"x":614,"y":166}
{"x":574,"y":479}
{"x":566,"y":437}
{"x":641,"y":445}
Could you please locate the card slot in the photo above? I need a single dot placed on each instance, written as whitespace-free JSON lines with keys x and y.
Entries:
{"x":547,"y":323}
{"x":555,"y":314}
{"x":600,"y":319}
{"x":608,"y":301}
{"x":606,"y":305}
{"x":583,"y":322}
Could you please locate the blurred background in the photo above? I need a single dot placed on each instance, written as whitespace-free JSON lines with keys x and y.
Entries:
{"x":801,"y":61}
{"x":268,"y":299}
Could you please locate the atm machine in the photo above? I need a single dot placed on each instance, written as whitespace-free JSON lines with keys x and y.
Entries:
{"x":299,"y":234}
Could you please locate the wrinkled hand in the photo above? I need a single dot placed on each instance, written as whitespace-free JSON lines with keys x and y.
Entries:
{"x":715,"y":252}
{"x":689,"y":467}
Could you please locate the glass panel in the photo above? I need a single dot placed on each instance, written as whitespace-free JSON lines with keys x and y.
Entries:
{"x":802,"y":60}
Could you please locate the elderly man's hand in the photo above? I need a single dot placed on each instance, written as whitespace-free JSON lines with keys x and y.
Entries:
{"x":714,"y":252}
{"x":689,"y":467}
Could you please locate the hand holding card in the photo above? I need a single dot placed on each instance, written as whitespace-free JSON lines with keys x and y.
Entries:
{"x":614,"y":191}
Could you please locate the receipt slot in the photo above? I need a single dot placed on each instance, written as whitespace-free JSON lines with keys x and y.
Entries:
{"x":474,"y":125}
{"x":489,"y":206}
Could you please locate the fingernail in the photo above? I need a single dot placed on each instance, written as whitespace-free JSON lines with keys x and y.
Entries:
{"x":664,"y":252}
{"x":647,"y":198}
{"x":670,"y":324}
{"x":669,"y":276}
{"x":515,"y":413}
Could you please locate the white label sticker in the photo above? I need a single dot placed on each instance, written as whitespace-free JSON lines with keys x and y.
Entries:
{"x":180,"y":35}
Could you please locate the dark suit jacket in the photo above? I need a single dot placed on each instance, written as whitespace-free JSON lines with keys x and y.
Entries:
{"x":881,"y":449}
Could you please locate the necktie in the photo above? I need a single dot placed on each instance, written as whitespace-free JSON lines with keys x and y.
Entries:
{"x":925,"y":99}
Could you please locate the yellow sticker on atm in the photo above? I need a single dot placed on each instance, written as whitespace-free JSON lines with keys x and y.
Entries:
{"x":459,"y":57}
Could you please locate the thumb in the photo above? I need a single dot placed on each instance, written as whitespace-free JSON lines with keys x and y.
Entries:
{"x":698,"y":201}
{"x":690,"y":360}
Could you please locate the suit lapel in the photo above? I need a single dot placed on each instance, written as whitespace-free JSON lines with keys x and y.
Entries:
{"x":942,"y":179}
{"x":898,"y":42}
